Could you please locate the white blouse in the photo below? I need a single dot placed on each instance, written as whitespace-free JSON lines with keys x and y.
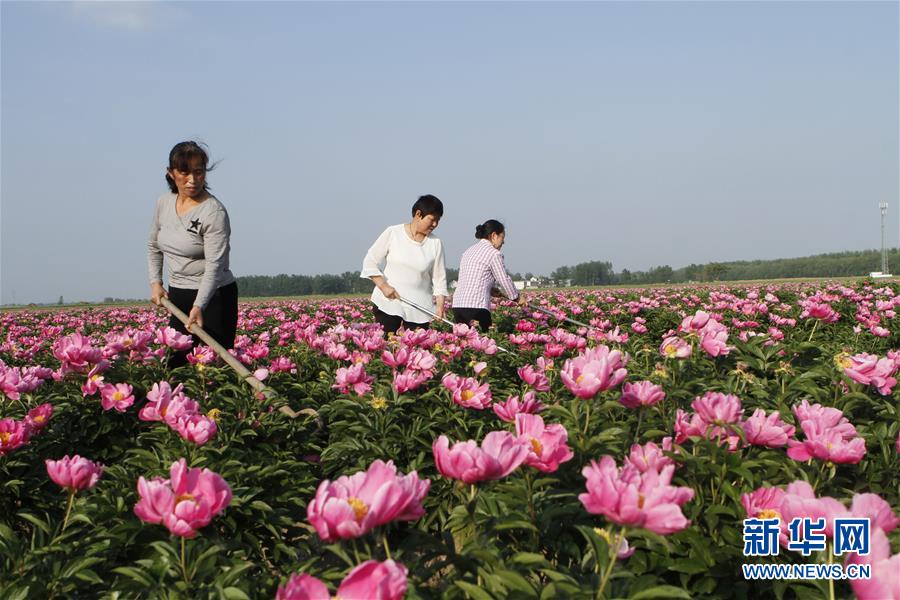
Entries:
{"x":415,"y":269}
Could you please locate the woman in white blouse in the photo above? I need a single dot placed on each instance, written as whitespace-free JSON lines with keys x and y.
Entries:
{"x":407,"y":261}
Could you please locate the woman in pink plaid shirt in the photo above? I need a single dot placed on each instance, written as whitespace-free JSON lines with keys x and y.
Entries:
{"x":480,"y":269}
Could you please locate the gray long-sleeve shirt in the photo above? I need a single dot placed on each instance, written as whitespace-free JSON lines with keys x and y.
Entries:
{"x":196,"y":246}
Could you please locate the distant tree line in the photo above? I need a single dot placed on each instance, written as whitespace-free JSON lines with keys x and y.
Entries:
{"x":597,"y":272}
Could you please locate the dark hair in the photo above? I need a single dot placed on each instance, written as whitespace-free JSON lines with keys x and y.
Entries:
{"x":428,"y":205}
{"x":181,"y":157}
{"x":488,"y":228}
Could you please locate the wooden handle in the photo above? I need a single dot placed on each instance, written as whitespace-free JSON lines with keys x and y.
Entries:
{"x":229,"y":359}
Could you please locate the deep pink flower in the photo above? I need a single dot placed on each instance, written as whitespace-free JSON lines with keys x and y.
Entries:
{"x":352,"y":506}
{"x":534,"y":378}
{"x":876,"y":509}
{"x":74,"y":473}
{"x":371,"y":580}
{"x":641,"y":393}
{"x":499,"y":455}
{"x":75,"y":353}
{"x":829,"y":436}
{"x":39,"y":417}
{"x":303,"y":587}
{"x":800,"y":500}
{"x":694,"y":323}
{"x":716,"y":418}
{"x":118,"y":396}
{"x":94,"y":381}
{"x":195,"y":427}
{"x":714,"y":338}
{"x":628,"y":497}
{"x":770,"y":431}
{"x":596,"y":369}
{"x":409,"y":380}
{"x":186,"y":502}
{"x":508,"y":410}
{"x":13,"y":434}
{"x":548,"y":447}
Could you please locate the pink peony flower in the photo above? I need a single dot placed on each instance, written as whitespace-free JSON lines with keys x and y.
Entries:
{"x":167,"y":336}
{"x":186,"y":502}
{"x":118,"y":396}
{"x":868,"y":369}
{"x":547,"y":442}
{"x":352,"y":506}
{"x":468,"y":392}
{"x":76,"y":354}
{"x":39,"y":417}
{"x":884,"y":584}
{"x":829,"y":436}
{"x":770,"y":431}
{"x":764,"y":503}
{"x":714,"y":338}
{"x":508,"y":410}
{"x":675,"y":347}
{"x":595,"y":370}
{"x":74,"y":473}
{"x":642,"y":393}
{"x":717,"y":415}
{"x":628,"y":497}
{"x":499,"y":455}
{"x":409,"y":380}
{"x":13,"y":434}
{"x":650,"y":456}
{"x":534,"y":378}
{"x":800,"y":501}
{"x":195,"y":428}
{"x":353,"y":377}
{"x":371,"y":580}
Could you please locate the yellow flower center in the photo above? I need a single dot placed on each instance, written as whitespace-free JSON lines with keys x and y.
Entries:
{"x":671,"y":351}
{"x":39,"y":419}
{"x":214,"y":414}
{"x":4,"y":437}
{"x":118,"y":396}
{"x":537,"y":446}
{"x":604,"y":534}
{"x":641,"y":500}
{"x":579,"y":379}
{"x":769,"y":513}
{"x":379,"y":403}
{"x":467,"y":395}
{"x":359,"y":508}
{"x":185,"y":498}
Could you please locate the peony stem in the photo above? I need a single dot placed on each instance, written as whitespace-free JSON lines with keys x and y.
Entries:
{"x":637,"y":431}
{"x":387,"y":549}
{"x":356,"y":552}
{"x":184,"y":570}
{"x":587,"y":418}
{"x":811,"y":333}
{"x":613,"y":554}
{"x":68,"y":509}
{"x":830,"y":580}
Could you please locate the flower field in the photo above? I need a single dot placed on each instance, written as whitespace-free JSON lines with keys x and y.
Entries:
{"x":544,"y":460}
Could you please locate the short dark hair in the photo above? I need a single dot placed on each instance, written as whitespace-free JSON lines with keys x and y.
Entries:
{"x":428,"y":205}
{"x":182,"y":155}
{"x":488,"y":228}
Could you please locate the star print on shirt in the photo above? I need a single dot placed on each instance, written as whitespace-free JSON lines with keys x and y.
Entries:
{"x":195,"y":225}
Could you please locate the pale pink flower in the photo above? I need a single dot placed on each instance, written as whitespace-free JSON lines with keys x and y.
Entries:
{"x":468,"y":392}
{"x":354,"y":377}
{"x":371,"y":580}
{"x":167,"y":336}
{"x":675,"y":347}
{"x":650,"y":456}
{"x":195,"y":427}
{"x":868,"y":369}
{"x":409,"y":380}
{"x":534,"y":378}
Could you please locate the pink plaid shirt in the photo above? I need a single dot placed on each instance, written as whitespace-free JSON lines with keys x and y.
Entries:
{"x":481,"y":266}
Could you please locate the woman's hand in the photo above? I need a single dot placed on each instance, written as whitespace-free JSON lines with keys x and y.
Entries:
{"x":522,"y":301}
{"x":389,"y":292}
{"x":157,"y":293}
{"x":196,"y":316}
{"x":440,"y":307}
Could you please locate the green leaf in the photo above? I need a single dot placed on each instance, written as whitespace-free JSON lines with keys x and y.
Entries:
{"x":661,"y":591}
{"x":135,"y":574}
{"x":473,"y":591}
{"x":233,"y":593}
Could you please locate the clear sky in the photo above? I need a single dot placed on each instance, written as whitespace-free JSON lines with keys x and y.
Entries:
{"x":640,"y":133}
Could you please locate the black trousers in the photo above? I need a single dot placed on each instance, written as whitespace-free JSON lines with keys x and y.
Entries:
{"x":392,"y":323}
{"x":467,"y":315}
{"x":219,"y":317}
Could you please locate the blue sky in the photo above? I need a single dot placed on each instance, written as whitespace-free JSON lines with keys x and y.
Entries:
{"x":639,"y":133}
